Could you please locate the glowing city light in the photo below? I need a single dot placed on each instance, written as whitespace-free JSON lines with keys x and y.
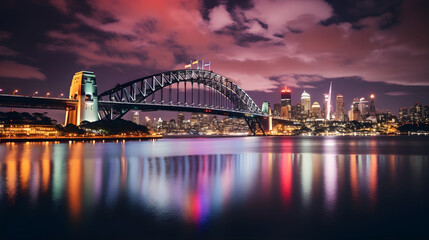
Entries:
{"x":285,"y":90}
{"x":372,"y":96}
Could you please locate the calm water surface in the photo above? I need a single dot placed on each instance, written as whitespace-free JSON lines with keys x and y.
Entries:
{"x":217,"y":188}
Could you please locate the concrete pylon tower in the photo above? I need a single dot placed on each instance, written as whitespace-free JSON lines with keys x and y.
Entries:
{"x":83,"y":89}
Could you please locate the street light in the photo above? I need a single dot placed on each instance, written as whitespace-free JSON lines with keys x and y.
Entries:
{"x":35,"y":93}
{"x":47,"y":94}
{"x":15,"y":91}
{"x":61,"y":95}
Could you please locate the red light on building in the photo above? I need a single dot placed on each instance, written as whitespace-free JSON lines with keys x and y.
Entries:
{"x":285,"y":90}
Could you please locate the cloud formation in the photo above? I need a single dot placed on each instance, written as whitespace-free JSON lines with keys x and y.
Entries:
{"x":12,"y":69}
{"x":253,"y":45}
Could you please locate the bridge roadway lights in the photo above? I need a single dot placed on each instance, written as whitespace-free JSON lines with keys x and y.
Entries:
{"x":84,"y":90}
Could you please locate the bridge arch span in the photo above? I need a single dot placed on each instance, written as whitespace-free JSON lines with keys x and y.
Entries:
{"x":140,"y":91}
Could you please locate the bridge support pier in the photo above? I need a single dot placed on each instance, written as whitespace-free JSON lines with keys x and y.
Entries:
{"x":83,"y":89}
{"x":255,"y":125}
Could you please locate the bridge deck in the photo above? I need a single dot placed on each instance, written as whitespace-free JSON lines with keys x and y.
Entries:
{"x":19,"y":101}
{"x":174,"y":107}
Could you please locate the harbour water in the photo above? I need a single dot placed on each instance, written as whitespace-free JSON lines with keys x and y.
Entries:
{"x":217,"y":188}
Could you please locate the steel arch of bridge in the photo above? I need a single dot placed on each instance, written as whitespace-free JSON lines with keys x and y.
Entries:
{"x":139,"y":91}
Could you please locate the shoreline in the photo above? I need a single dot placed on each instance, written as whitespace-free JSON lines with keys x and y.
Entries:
{"x":67,"y":139}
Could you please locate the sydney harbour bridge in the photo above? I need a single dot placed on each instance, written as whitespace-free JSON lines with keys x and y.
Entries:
{"x":189,"y":90}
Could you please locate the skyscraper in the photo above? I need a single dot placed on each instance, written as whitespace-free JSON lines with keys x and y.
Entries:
{"x":305,"y":103}
{"x":286,"y":102}
{"x":372,"y":110}
{"x":339,"y":116}
{"x":286,"y":97}
{"x":403,"y":114}
{"x":325,"y":105}
{"x":315,"y":110}
{"x":416,"y":112}
{"x":363,"y":107}
{"x":180,"y":119}
{"x":426,"y":113}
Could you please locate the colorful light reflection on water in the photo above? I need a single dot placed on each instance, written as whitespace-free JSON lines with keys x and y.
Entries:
{"x":193,"y":187}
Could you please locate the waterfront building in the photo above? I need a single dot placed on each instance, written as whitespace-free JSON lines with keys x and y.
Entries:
{"x":339,"y":115}
{"x":305,"y":103}
{"x":27,"y":130}
{"x":315,"y":110}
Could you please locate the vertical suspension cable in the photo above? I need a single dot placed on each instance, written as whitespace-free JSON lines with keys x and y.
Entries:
{"x":177,"y":95}
{"x":169,"y":91}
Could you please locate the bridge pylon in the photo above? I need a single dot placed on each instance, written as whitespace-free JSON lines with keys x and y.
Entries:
{"x":83,"y":89}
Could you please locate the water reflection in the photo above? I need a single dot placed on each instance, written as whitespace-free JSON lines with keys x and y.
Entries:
{"x":195,"y":188}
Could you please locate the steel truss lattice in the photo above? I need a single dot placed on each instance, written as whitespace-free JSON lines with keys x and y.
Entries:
{"x":220,"y":93}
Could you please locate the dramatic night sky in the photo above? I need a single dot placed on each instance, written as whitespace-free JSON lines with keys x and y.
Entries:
{"x":363,"y":47}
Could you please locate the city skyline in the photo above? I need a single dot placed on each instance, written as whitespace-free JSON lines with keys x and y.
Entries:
{"x":376,"y":47}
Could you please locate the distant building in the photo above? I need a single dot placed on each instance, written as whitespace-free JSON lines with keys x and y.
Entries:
{"x":305,"y":103}
{"x":416,"y":112}
{"x":284,"y":113}
{"x":286,"y":97}
{"x":426,"y":113}
{"x":372,"y":109}
{"x":355,"y":115}
{"x":403,"y":114}
{"x":180,"y":120}
{"x":277,"y":109}
{"x":296,"y":111}
{"x":325,"y":105}
{"x":316,"y":111}
{"x":355,"y":104}
{"x":363,"y":107}
{"x":136,"y":118}
{"x":339,"y":115}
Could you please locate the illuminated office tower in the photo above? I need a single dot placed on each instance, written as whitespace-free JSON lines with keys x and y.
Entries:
{"x":286,"y":97}
{"x":403,"y":114}
{"x":339,"y":116}
{"x":316,"y":111}
{"x":416,"y":112}
{"x":305,"y":103}
{"x":286,"y":103}
{"x":363,"y":107}
{"x":180,"y":120}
